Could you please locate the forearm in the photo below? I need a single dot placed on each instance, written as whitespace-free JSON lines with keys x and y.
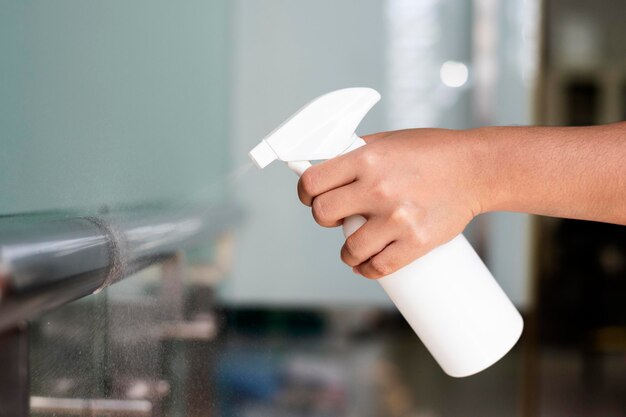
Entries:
{"x":572,"y":172}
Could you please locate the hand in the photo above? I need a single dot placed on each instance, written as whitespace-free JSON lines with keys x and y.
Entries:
{"x":417,"y":189}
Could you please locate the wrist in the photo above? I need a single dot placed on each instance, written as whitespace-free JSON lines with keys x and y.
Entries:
{"x":486,"y":162}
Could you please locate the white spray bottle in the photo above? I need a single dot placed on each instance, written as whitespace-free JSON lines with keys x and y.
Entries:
{"x":448,"y":296}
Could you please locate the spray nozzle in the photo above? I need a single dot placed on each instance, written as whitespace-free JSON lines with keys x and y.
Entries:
{"x":322,"y":129}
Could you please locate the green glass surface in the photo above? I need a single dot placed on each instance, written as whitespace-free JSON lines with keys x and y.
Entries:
{"x":111,"y":103}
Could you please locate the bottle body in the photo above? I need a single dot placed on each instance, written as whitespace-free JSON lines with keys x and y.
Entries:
{"x":454,"y":305}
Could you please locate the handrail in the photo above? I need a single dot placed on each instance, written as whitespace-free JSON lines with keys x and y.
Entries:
{"x":47,"y":262}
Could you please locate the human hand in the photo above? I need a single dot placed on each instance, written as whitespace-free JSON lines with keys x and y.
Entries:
{"x":417,"y":189}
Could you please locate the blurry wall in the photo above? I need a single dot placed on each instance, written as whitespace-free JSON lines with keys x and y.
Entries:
{"x":285,"y":54}
{"x":586,"y":37}
{"x":110,"y":102}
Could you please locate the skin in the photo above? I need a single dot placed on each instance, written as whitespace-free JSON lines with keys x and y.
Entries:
{"x":419,"y":188}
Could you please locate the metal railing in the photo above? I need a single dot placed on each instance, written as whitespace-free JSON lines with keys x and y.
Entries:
{"x":45,"y":263}
{"x":48,"y":261}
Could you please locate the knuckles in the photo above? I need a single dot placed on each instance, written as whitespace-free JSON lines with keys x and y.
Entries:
{"x":349,"y":252}
{"x":369,"y":158}
{"x":321,"y":212}
{"x":306,"y":187}
{"x":380,"y":267}
{"x":383,"y":190}
{"x":419,"y":238}
{"x":402,"y":215}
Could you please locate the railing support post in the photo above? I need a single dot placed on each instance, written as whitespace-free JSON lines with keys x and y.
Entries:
{"x":15,"y":375}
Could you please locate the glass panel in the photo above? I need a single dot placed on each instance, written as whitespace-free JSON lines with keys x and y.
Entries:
{"x":137,"y":345}
{"x":110,"y":103}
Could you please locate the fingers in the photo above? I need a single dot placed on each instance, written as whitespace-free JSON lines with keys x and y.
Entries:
{"x":409,"y":240}
{"x":389,"y":260}
{"x":338,"y":171}
{"x":367,"y":241}
{"x":330,"y":208}
{"x":326,"y":176}
{"x":387,"y":242}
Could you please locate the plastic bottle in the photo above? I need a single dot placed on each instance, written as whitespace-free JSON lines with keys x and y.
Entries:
{"x":447,"y":296}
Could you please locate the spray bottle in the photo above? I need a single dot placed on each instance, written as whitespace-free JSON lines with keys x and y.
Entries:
{"x":447,"y":296}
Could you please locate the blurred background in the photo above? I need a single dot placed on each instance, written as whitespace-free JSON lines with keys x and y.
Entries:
{"x":124,"y":133}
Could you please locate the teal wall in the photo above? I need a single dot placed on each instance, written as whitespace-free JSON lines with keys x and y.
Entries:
{"x":111,"y":102}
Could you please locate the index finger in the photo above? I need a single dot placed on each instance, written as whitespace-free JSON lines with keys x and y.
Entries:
{"x":326,"y":176}
{"x":374,"y":137}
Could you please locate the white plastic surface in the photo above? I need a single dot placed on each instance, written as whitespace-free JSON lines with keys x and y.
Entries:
{"x":322,"y":129}
{"x":262,"y":154}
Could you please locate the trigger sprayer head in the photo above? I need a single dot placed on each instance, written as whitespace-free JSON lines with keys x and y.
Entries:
{"x":322,"y":129}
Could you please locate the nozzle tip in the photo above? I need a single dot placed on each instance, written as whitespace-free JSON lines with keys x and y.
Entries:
{"x":262,"y":154}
